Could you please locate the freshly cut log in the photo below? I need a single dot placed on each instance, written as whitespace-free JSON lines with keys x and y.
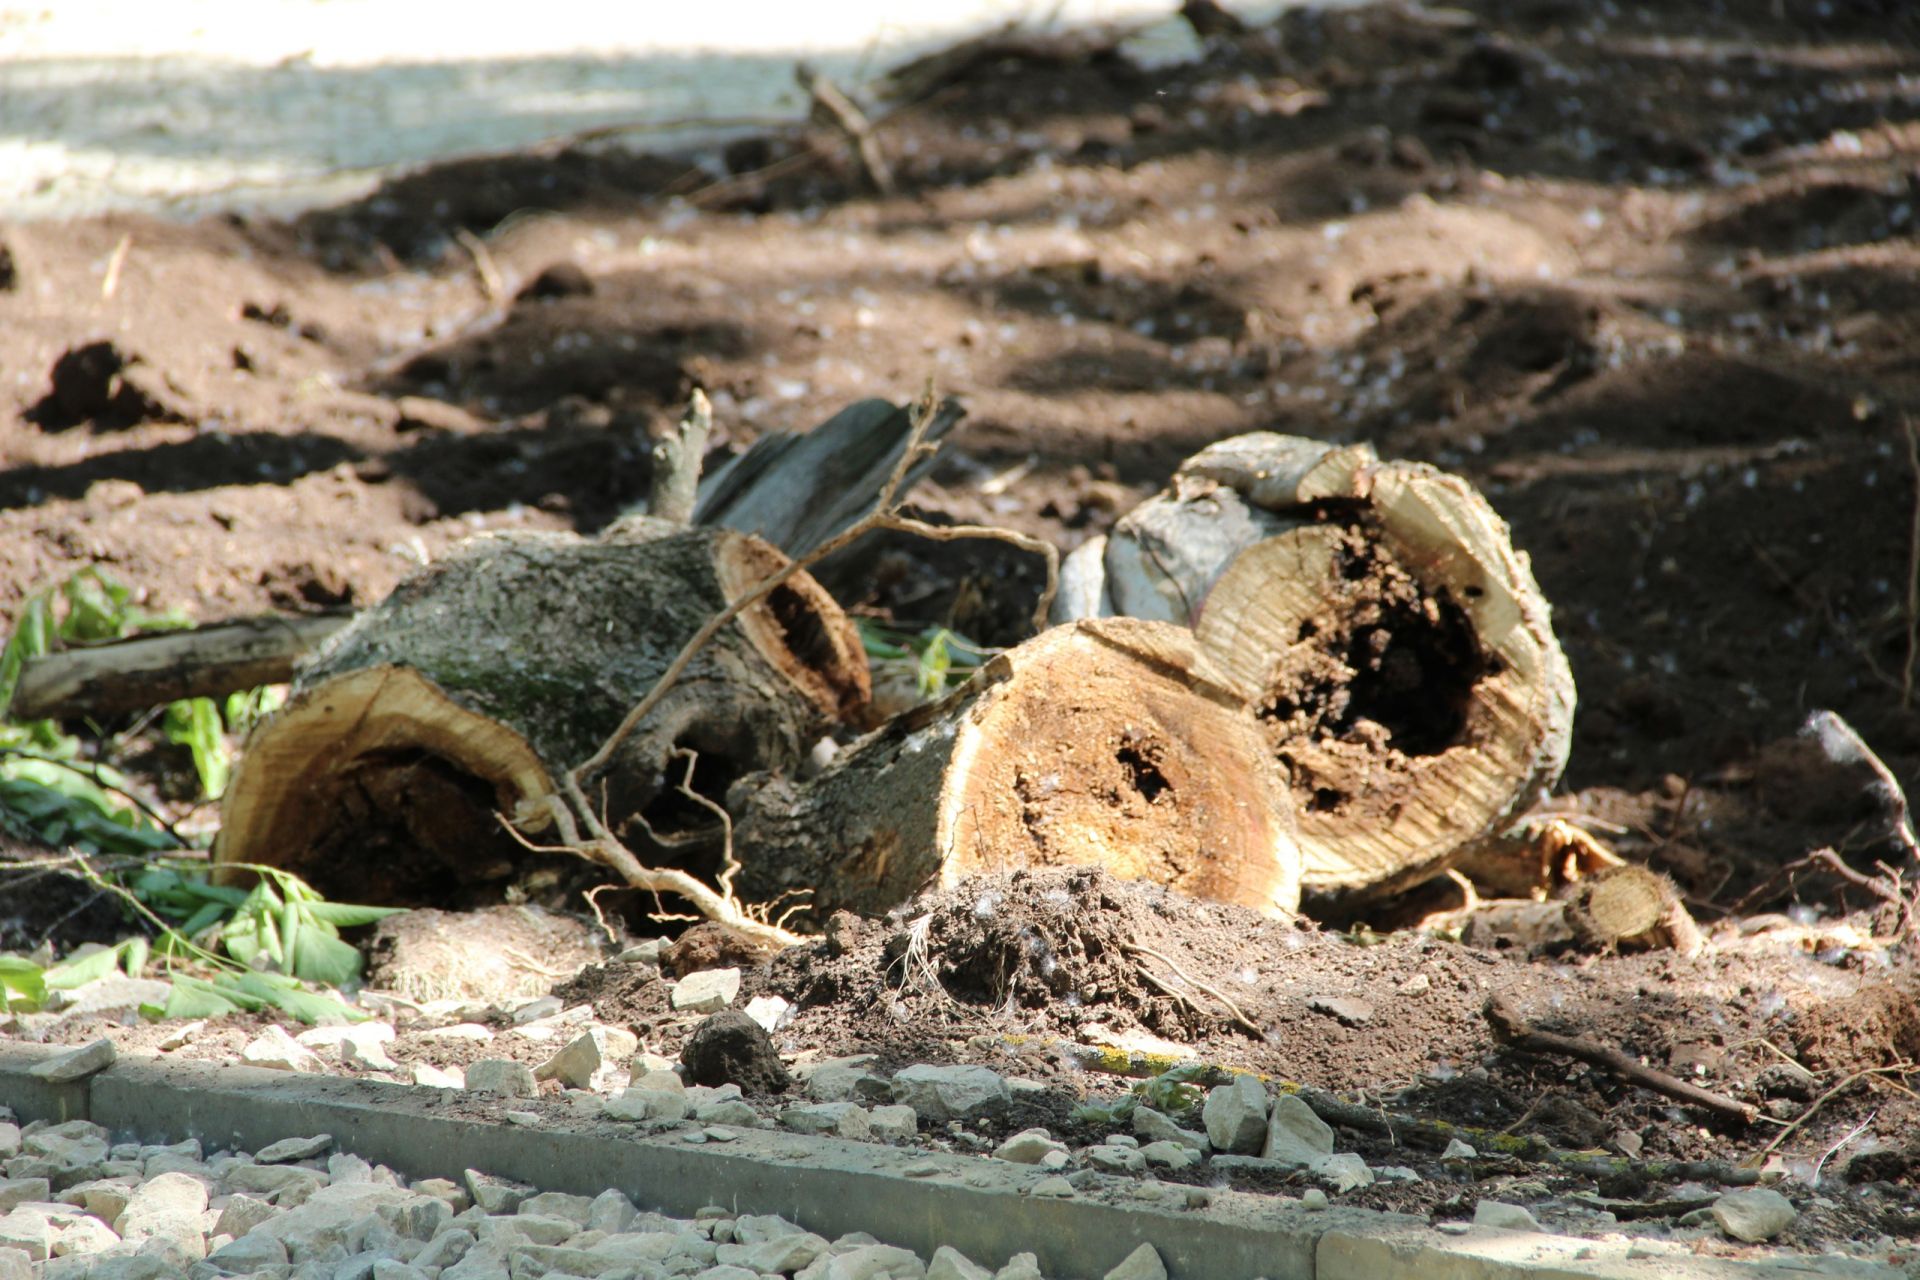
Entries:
{"x":1099,"y":743}
{"x":1377,"y":621}
{"x":487,"y":674}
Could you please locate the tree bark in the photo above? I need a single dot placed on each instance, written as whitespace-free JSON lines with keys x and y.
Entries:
{"x":1103,"y":743}
{"x":489,"y":673}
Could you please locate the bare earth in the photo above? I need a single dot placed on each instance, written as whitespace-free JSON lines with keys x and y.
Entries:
{"x":1648,"y":276}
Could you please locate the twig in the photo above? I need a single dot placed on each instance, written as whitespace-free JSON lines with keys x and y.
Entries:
{"x":1821,"y":1101}
{"x":1240,"y":1019}
{"x":1913,"y":566}
{"x":1509,"y":1029}
{"x":1049,"y":553}
{"x":676,"y":462}
{"x":110,"y":282}
{"x":832,"y":107}
{"x":492,"y":286}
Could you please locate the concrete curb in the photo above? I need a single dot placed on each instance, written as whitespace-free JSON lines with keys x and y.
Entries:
{"x":915,"y":1199}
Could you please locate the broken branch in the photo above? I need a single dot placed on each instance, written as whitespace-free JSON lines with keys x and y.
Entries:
{"x":676,"y":462}
{"x":835,"y":108}
{"x":1514,"y":1032}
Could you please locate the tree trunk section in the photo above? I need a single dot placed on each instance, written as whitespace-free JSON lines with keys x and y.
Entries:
{"x":1378,"y":622}
{"x":1099,"y":743}
{"x":1401,"y":659}
{"x":489,"y":673}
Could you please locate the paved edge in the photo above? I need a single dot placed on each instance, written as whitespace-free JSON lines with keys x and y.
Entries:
{"x":827,"y":1185}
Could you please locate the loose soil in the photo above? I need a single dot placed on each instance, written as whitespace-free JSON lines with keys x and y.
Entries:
{"x":1649,"y":276}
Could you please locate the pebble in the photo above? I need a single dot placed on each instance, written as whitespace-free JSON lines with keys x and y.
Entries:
{"x":275,"y":1050}
{"x":1030,"y":1146}
{"x":290,"y":1149}
{"x":1753,"y":1215}
{"x":706,"y":990}
{"x":1313,"y":1199}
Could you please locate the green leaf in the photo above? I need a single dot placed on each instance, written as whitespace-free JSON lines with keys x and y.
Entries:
{"x":22,"y":984}
{"x":284,"y":993}
{"x":319,"y":957}
{"x":193,"y":998}
{"x":78,"y":970}
{"x":133,"y":955}
{"x":195,"y":724}
{"x":346,"y":915}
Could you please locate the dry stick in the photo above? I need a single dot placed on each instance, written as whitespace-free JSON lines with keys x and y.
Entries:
{"x":1509,"y":1029}
{"x":491,"y":284}
{"x":1821,"y":1101}
{"x":831,"y":106}
{"x":1913,"y":566}
{"x":676,"y":462}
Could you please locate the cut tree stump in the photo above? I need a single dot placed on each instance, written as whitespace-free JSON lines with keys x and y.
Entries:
{"x":1100,"y":743}
{"x":1376,"y":619}
{"x":487,"y":674}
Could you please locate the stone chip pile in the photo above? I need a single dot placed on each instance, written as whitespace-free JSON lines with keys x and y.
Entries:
{"x":76,"y":1205}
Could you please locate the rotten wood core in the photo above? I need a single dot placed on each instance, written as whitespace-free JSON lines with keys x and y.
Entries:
{"x":485,"y":676}
{"x":1099,"y":743}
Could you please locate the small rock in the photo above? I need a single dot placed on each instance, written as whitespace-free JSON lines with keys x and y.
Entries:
{"x":448,"y":1192}
{"x":502,"y":1076}
{"x":1754,"y":1214}
{"x":288,"y":1150}
{"x":168,"y":1206}
{"x":78,"y":1065}
{"x":893,"y":1123}
{"x":731,"y":1048}
{"x":1170,"y":1155}
{"x":18,"y":1191}
{"x":950,"y":1264}
{"x":1343,"y":1172}
{"x":1142,"y":1264}
{"x":1418,"y":985}
{"x":941,"y":1094}
{"x":1154,"y":1126}
{"x":249,"y":1254}
{"x":843,"y":1119}
{"x":1057,"y":1187}
{"x":611,"y":1212}
{"x":1295,"y":1134}
{"x":536,"y":1009}
{"x":1235,"y":1115}
{"x":495,"y":1195}
{"x":525,"y":1119}
{"x":1022,"y":1266}
{"x":706,"y":990}
{"x":1313,"y":1199}
{"x":574,"y":1065}
{"x":434,"y":1077}
{"x":275,"y":1050}
{"x":1348,"y":1012}
{"x":1458,"y":1150}
{"x":728,"y":1111}
{"x":1029,"y":1146}
{"x":469,"y":1031}
{"x":242,"y":1214}
{"x":771,"y":1012}
{"x":1505,"y":1217}
{"x":636,"y":1104}
{"x":1109,"y":1159}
